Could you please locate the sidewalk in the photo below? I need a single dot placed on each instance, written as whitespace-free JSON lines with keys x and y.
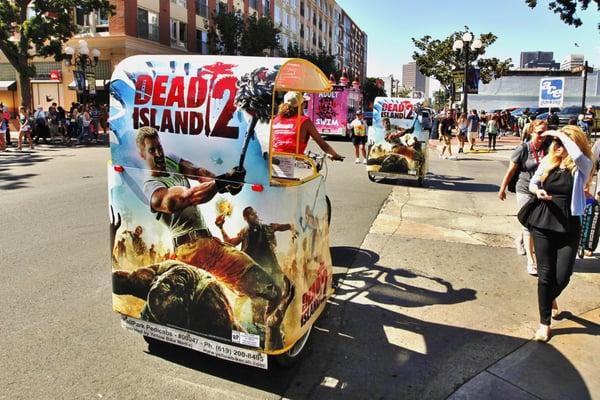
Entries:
{"x":437,"y":303}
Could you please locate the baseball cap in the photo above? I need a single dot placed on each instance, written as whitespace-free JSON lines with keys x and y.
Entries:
{"x":359,"y":112}
{"x":293,"y":98}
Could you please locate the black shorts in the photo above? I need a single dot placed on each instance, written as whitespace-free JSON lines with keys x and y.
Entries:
{"x":356,"y":140}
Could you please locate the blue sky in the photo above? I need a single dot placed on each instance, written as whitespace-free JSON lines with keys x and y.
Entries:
{"x":390,"y":25}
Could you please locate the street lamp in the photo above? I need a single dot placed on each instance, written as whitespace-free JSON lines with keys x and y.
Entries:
{"x":463,"y":45}
{"x":81,"y":59}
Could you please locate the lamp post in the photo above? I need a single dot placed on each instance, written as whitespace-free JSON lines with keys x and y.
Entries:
{"x":81,"y":59}
{"x":463,"y":44}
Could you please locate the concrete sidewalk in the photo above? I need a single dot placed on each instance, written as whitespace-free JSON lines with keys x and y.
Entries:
{"x":437,"y":303}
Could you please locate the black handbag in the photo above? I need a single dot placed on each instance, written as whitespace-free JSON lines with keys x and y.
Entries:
{"x":526,"y":210}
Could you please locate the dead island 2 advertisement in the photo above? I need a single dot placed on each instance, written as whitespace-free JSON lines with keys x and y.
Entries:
{"x":200,"y":240}
{"x":397,"y":145}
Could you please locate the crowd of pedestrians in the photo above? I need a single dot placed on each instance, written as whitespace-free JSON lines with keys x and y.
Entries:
{"x":81,"y":124}
{"x":468,"y":128}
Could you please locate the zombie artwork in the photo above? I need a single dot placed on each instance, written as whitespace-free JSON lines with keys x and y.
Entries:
{"x":326,"y":108}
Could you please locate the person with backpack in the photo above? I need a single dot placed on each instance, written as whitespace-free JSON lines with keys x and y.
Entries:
{"x":523,"y":163}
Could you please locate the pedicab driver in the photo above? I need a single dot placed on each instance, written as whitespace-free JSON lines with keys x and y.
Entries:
{"x":175,"y":204}
{"x":286,"y":125}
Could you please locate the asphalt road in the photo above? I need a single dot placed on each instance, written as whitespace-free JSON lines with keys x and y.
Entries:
{"x":59,"y":337}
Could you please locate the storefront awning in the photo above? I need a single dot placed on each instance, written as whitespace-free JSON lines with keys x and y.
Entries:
{"x":8,"y":85}
{"x":100,"y":84}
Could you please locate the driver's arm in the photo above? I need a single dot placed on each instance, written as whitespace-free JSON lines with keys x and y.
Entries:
{"x":234,"y":241}
{"x":281,"y":227}
{"x":308,"y":128}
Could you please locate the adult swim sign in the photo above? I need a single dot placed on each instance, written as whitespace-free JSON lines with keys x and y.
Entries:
{"x":551,"y":92}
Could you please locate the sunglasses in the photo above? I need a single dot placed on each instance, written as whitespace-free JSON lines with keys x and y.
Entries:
{"x":557,"y":142}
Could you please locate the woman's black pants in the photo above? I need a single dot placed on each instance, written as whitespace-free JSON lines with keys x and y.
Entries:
{"x":555,"y":253}
{"x":492,"y":141}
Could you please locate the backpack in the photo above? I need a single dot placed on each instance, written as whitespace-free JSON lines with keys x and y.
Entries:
{"x":512,"y":185}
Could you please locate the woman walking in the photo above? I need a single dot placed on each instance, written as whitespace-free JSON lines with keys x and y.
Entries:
{"x":445,"y":127}
{"x":24,"y":128}
{"x":462,"y":123}
{"x":559,"y":184}
{"x":524,"y":161}
{"x":493,"y":129}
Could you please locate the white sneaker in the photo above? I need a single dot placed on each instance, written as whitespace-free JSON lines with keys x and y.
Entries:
{"x":532,"y":269}
{"x":357,"y":161}
{"x":452,"y":158}
{"x":520,"y":246}
{"x":365,"y":161}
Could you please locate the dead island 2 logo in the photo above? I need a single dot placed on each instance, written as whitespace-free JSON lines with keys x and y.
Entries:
{"x":315,"y":295}
{"x":401,"y":110}
{"x":187,"y":105}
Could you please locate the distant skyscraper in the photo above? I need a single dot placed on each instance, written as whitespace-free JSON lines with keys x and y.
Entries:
{"x":528,"y":57}
{"x":572,"y":61}
{"x":413,"y":78}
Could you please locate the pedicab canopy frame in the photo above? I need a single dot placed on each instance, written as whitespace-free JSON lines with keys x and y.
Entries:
{"x":237,"y":273}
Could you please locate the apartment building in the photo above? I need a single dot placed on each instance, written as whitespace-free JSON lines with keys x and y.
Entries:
{"x":137,"y":27}
{"x":180,"y":27}
{"x":414,"y":79}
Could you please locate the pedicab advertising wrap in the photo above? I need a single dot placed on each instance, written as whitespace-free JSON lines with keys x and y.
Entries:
{"x":332,"y":112}
{"x":397,"y":146}
{"x":206,"y":251}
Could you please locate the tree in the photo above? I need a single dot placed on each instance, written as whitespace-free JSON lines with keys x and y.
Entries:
{"x":44,"y":33}
{"x":440,"y":98}
{"x":370,"y":90}
{"x":404,"y":92}
{"x":326,"y":62}
{"x":231,"y":34}
{"x":259,"y":35}
{"x":567,"y":9}
{"x":436,"y":58}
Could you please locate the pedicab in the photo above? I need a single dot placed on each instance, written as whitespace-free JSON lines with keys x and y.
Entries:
{"x":396,"y":142}
{"x":218,"y":244}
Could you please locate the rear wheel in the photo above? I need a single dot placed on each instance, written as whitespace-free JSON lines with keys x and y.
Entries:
{"x":296,"y":352}
{"x":328,"y":209}
{"x":420,"y":181}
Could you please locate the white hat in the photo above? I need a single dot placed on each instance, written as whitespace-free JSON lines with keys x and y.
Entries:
{"x":293,"y":98}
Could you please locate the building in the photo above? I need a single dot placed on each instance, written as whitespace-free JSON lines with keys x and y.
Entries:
{"x":572,"y":61}
{"x":414,"y":79}
{"x":538,"y":59}
{"x":137,"y":27}
{"x":181,"y":27}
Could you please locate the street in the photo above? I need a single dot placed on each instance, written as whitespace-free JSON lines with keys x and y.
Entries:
{"x":430,"y":294}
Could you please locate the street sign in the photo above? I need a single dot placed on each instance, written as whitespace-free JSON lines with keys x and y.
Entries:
{"x":551,"y":92}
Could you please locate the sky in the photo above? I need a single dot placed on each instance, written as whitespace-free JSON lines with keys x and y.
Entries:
{"x":390,"y":25}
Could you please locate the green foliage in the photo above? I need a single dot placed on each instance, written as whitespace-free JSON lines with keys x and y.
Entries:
{"x":567,"y":9}
{"x":326,"y":62}
{"x":404,"y":92}
{"x":440,"y":99}
{"x":436,"y":58}
{"x":371,"y":90}
{"x":45,"y":32}
{"x":230,"y":34}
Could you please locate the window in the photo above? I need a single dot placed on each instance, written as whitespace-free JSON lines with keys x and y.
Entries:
{"x":302,"y":8}
{"x":147,"y":25}
{"x":252,"y":3}
{"x":294,"y":3}
{"x":178,"y":33}
{"x":266,"y":7}
{"x":286,"y":21}
{"x":201,"y":42}
{"x":293,"y":25}
{"x":277,"y":15}
{"x":98,"y":21}
{"x":181,"y":3}
{"x":221,"y":7}
{"x":202,"y":8}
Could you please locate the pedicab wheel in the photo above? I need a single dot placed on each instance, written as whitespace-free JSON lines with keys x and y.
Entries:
{"x":420,"y":181}
{"x":296,"y":352}
{"x":371,"y":177}
{"x":328,"y":209}
{"x":155,"y":344}
{"x":580,"y":252}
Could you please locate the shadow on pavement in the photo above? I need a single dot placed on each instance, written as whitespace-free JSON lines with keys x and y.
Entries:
{"x":457,"y":184}
{"x":365,"y":347}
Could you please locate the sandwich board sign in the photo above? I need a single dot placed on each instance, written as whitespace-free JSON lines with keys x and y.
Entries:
{"x":551,"y":92}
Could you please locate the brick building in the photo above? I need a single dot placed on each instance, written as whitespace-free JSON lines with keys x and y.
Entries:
{"x":180,"y":27}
